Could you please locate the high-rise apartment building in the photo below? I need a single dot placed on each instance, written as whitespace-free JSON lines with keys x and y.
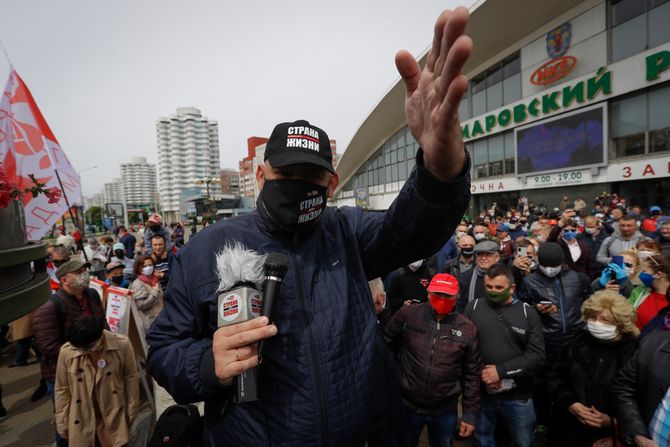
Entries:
{"x":113,"y":192}
{"x":230,"y":182}
{"x":139,"y":181}
{"x":247,"y":174}
{"x":188,"y":156}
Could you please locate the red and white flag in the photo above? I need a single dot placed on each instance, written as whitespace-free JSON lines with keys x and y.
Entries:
{"x":27,"y":146}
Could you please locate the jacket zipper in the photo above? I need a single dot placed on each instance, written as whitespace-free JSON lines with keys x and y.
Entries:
{"x":432,"y":352}
{"x":312,"y":346}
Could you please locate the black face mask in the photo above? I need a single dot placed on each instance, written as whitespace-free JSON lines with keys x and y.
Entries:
{"x":294,"y":205}
{"x":155,"y":228}
{"x":117,"y":279}
{"x":119,"y":254}
{"x":468,"y":253}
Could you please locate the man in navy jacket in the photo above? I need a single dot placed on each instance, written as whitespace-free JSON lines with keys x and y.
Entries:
{"x":318,"y":370}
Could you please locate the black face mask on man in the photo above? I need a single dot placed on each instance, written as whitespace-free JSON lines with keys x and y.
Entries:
{"x":294,"y":205}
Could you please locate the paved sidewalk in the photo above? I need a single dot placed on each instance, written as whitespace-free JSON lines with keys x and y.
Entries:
{"x":27,"y":424}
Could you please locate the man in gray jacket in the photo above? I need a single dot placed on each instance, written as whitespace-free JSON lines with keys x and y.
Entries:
{"x":626,"y":238}
{"x":510,"y":334}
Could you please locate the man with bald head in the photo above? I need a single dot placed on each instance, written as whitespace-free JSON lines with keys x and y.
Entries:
{"x":465,"y":260}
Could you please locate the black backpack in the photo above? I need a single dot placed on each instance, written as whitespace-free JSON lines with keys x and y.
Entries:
{"x":178,"y":426}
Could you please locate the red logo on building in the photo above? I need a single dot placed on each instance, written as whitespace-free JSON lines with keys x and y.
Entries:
{"x":553,"y":70}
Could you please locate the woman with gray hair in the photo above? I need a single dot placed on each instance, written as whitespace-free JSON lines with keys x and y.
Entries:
{"x":588,"y":362}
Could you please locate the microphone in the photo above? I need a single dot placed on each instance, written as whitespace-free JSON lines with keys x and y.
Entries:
{"x":240,"y":277}
{"x":275,"y":267}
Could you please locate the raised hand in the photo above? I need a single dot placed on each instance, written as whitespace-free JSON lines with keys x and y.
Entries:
{"x":434,"y":94}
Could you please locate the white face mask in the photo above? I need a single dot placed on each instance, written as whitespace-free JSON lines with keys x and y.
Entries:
{"x":81,"y":281}
{"x":480,"y":236}
{"x":644,"y":254}
{"x":148,"y":270}
{"x":591,"y":230}
{"x":602,"y":331}
{"x":630,"y":272}
{"x":550,"y":271}
{"x":512,"y":226}
{"x":460,"y":234}
{"x":416,"y":265}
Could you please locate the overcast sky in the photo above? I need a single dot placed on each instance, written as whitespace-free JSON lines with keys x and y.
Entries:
{"x":102,"y":73}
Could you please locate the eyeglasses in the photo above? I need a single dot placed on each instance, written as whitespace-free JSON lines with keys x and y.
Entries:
{"x":628,"y":264}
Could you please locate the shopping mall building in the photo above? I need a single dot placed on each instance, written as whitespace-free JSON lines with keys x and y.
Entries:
{"x":566,"y":97}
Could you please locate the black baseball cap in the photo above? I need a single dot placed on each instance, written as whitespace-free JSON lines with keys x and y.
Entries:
{"x":299,"y":142}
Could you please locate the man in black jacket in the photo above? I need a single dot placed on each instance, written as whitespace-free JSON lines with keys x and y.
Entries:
{"x":512,"y":348}
{"x":408,"y":283}
{"x":557,"y":293}
{"x":465,"y":260}
{"x":642,"y":394}
{"x":487,"y":254}
{"x":438,"y":351}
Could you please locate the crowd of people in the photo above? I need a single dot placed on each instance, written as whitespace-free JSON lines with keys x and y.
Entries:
{"x":538,"y":323}
{"x":547,"y":324}
{"x":89,"y":372}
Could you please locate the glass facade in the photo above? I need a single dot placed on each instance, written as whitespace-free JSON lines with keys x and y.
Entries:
{"x":393,"y":162}
{"x":497,"y":86}
{"x":493,"y":156}
{"x":640,"y":124}
{"x":637,"y":25}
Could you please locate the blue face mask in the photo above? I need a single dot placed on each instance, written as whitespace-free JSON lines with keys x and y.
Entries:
{"x":569,"y":235}
{"x":646,"y":279}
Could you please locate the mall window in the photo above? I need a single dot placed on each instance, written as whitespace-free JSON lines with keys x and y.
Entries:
{"x":640,"y":124}
{"x":493,"y":156}
{"x":393,"y":162}
{"x":637,"y":25}
{"x":497,"y":86}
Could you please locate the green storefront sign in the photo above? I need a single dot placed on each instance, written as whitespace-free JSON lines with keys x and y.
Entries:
{"x":582,"y":92}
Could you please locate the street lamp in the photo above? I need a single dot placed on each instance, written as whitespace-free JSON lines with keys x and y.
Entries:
{"x":81,"y":197}
{"x":207,"y":181}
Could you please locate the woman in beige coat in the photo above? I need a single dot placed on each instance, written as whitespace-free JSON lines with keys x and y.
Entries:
{"x":146,"y":290}
{"x":97,"y":386}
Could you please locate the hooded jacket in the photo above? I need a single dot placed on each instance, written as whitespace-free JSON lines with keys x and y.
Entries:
{"x":567,"y":291}
{"x":317,"y":377}
{"x":615,"y":244}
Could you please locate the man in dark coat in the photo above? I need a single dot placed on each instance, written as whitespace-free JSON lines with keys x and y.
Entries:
{"x":317,"y":375}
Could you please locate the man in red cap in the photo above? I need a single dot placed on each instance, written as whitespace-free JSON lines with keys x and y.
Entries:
{"x":438,"y":351}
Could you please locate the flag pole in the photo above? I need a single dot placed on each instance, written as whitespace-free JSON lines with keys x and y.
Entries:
{"x":69,"y":208}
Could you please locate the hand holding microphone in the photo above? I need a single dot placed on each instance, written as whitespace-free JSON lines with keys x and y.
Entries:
{"x":235,"y":347}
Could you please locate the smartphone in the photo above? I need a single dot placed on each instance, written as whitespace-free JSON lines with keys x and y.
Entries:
{"x":522,"y":252}
{"x":618,"y":260}
{"x":546,"y":303}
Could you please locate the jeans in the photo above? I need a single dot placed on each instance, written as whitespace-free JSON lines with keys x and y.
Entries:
{"x":440,"y":428}
{"x":22,"y":351}
{"x":517,"y":415}
{"x":60,"y":442}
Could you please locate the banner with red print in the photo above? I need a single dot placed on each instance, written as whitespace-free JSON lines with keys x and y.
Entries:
{"x":27,"y":146}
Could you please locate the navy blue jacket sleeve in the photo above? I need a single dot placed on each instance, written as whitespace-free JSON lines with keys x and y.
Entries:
{"x":418,"y":223}
{"x":177,"y":346}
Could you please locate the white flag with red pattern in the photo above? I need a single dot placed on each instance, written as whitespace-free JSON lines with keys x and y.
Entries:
{"x":27,"y":146}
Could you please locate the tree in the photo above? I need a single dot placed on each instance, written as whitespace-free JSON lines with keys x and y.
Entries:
{"x":94,"y":215}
